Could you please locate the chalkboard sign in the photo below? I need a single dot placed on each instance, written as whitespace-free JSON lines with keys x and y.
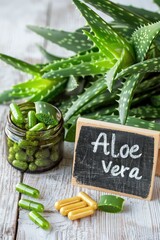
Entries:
{"x":115,"y":158}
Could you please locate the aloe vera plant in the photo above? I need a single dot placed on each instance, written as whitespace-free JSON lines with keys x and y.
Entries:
{"x":114,"y":68}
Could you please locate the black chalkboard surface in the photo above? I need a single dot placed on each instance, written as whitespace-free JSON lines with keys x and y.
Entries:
{"x":115,"y":158}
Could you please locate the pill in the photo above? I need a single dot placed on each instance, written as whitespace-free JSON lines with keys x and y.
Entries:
{"x":66,"y":201}
{"x":65,"y":210}
{"x":27,"y":190}
{"x":32,"y":120}
{"x":43,"y":162}
{"x":39,"y":220}
{"x":32,"y":167}
{"x":16,"y":112}
{"x":85,"y":197}
{"x":20,"y":165}
{"x":80,"y":213}
{"x":31,"y":205}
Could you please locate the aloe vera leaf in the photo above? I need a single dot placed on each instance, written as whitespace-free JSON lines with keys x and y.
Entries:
{"x":145,"y":112}
{"x":148,"y":33}
{"x":74,"y":41}
{"x":83,"y":69}
{"x":50,"y":91}
{"x":126,"y":95}
{"x":150,"y":65}
{"x":131,"y":121}
{"x":150,"y":16}
{"x":118,"y":13}
{"x":20,"y":65}
{"x":50,"y":57}
{"x":157,"y":2}
{"x":72,"y":83}
{"x":123,"y":30}
{"x":7,"y":96}
{"x":146,"y":96}
{"x":155,"y":100}
{"x":148,"y":84}
{"x":108,"y":37}
{"x":96,"y":88}
{"x":110,"y":75}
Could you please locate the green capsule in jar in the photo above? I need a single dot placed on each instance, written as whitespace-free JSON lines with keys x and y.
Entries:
{"x":27,"y":190}
{"x":20,"y":165}
{"x":11,"y":157}
{"x":39,"y":220}
{"x":38,"y":127}
{"x":21,"y":156}
{"x":31,"y":205}
{"x":10,"y":142}
{"x":32,"y":120}
{"x":27,"y":143}
{"x":16,"y":112}
{"x":30,"y":151}
{"x":32,"y":167}
{"x":54,"y":156}
{"x":16,"y":147}
{"x":43,"y":162}
{"x":43,"y":153}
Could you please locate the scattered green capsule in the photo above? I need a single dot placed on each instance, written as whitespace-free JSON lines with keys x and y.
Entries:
{"x":39,"y":220}
{"x":21,"y":156}
{"x":26,"y":143}
{"x":31,"y":205}
{"x":27,"y":190}
{"x":19,"y":164}
{"x":43,"y":163}
{"x":32,"y":167}
{"x":43,"y":153}
{"x":38,"y":127}
{"x":32,"y":120}
{"x":16,"y":112}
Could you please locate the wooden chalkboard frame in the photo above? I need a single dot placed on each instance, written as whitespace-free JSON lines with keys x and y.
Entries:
{"x":100,"y":124}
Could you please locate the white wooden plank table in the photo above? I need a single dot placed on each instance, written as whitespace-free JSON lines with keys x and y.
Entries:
{"x":140,"y":220}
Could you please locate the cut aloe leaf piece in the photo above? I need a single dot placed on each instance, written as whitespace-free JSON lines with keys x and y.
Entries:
{"x":111,"y":204}
{"x":46,"y":113}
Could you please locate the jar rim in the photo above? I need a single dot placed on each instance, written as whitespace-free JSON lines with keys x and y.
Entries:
{"x":22,"y":132}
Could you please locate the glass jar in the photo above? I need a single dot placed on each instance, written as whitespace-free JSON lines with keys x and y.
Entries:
{"x":34,"y":152}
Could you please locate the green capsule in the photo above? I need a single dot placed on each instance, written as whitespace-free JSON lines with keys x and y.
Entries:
{"x":11,"y":157}
{"x":31,"y":205}
{"x":30,"y":151}
{"x":43,"y":163}
{"x":27,"y":190}
{"x":39,"y":220}
{"x":19,"y":164}
{"x":16,"y":112}
{"x":27,"y":143}
{"x":32,"y":167}
{"x":54,"y":156}
{"x":10,"y":142}
{"x":32,"y":120}
{"x":21,"y":156}
{"x":16,"y":147}
{"x":11,"y":150}
{"x":43,"y":153}
{"x":38,"y":127}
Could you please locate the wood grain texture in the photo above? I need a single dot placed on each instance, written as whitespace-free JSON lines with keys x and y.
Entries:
{"x":140,"y":219}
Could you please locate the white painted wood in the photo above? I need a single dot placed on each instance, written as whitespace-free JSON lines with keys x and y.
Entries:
{"x":140,"y":219}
